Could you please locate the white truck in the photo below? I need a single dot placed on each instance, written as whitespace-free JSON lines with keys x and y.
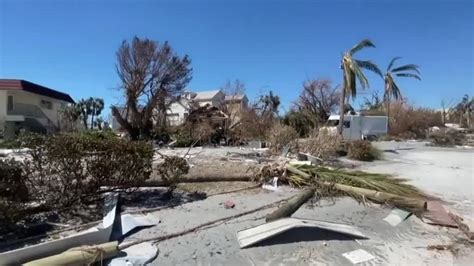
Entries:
{"x":359,"y":126}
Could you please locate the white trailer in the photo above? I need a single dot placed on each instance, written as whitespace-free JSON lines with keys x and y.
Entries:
{"x":360,"y":126}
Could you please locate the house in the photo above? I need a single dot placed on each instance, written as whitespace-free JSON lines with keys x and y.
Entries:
{"x":180,"y":109}
{"x":28,"y":106}
{"x":235,"y":104}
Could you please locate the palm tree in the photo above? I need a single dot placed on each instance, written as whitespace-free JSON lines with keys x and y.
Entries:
{"x":352,"y":71}
{"x":97,"y":105}
{"x":391,"y":88}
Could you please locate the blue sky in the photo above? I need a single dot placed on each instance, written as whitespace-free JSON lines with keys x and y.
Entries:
{"x":270,"y":45}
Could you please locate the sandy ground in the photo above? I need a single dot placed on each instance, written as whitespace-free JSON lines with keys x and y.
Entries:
{"x":405,"y":244}
{"x":447,"y":173}
{"x":444,"y":172}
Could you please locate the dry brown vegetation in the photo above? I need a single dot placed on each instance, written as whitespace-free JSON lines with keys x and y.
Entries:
{"x":362,"y":150}
{"x":409,"y":122}
{"x":280,"y":136}
{"x":324,"y":145}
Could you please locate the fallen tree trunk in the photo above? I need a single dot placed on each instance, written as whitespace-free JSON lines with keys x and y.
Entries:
{"x":197,"y":178}
{"x":291,"y":206}
{"x":84,"y":255}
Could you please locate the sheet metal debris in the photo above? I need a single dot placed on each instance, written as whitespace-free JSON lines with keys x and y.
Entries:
{"x":92,"y":236}
{"x":130,"y":222}
{"x":259,"y":233}
{"x":436,"y":214}
{"x":273,"y":186}
{"x":140,"y":254}
{"x":358,"y":256}
{"x":397,"y":216}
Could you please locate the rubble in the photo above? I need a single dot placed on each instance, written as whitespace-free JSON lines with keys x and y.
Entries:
{"x":268,"y":209}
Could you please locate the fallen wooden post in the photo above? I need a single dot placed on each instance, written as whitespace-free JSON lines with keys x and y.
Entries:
{"x":291,"y":206}
{"x":84,"y":255}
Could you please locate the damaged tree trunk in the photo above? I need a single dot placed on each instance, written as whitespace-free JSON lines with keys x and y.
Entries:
{"x":196,"y":178}
{"x":291,"y":206}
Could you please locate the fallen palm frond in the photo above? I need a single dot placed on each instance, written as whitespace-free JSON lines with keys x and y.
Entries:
{"x":380,"y":188}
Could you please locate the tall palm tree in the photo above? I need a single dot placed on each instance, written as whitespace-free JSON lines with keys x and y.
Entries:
{"x":97,"y":105}
{"x":391,"y":89}
{"x":352,"y":71}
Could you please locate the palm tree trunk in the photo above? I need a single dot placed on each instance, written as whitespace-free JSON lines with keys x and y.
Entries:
{"x":388,"y":114}
{"x":341,"y":106}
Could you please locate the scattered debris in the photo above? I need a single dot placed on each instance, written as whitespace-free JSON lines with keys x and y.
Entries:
{"x":358,"y":256}
{"x":196,"y":228}
{"x":141,"y":254}
{"x":360,"y":185}
{"x":436,"y":214}
{"x":254,"y":235}
{"x":89,"y":237}
{"x":397,"y":216}
{"x":81,"y":255}
{"x":229,"y":204}
{"x":466,"y":227}
{"x":273,"y":186}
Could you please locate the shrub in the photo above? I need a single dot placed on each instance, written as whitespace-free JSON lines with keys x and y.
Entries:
{"x":362,"y":150}
{"x":76,"y":169}
{"x":10,"y":144}
{"x":410,"y":122}
{"x":325,"y":144}
{"x":171,"y":169}
{"x":280,"y":136}
{"x":13,"y":194}
{"x":446,"y":138}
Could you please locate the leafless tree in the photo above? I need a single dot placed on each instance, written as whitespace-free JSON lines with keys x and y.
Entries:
{"x":233,"y":88}
{"x":318,"y":99}
{"x":151,"y":75}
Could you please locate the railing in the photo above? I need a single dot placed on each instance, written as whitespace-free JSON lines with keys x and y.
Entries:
{"x":33,"y":111}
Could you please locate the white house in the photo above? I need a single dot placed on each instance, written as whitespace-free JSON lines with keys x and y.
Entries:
{"x":28,"y":106}
{"x":179,"y":110}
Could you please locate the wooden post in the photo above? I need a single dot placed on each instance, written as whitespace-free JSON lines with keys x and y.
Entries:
{"x":291,"y":206}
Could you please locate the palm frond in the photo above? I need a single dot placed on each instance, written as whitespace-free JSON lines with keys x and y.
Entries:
{"x":353,"y":183}
{"x":369,"y":65}
{"x":392,"y":62}
{"x":396,"y":92}
{"x":391,"y":89}
{"x":409,"y":67}
{"x":408,"y":75}
{"x":361,"y":45}
{"x":363,"y":81}
{"x":352,"y":88}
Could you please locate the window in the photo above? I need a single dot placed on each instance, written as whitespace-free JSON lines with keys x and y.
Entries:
{"x":10,"y":103}
{"x":347,"y":124}
{"x":46,"y":104}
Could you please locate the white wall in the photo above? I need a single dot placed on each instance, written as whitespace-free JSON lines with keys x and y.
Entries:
{"x":176,"y":113}
{"x":24,"y":97}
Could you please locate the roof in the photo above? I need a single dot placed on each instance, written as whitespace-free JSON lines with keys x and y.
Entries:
{"x":19,"y":84}
{"x":206,"y":95}
{"x":235,"y":97}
